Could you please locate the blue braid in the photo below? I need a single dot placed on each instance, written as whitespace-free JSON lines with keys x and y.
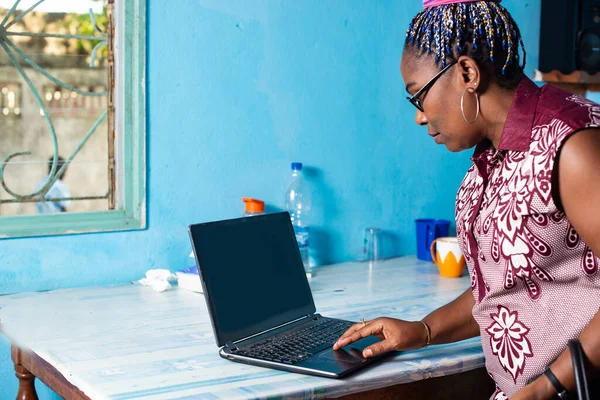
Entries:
{"x":486,"y":26}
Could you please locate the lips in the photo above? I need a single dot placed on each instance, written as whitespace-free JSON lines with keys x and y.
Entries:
{"x":435,"y":136}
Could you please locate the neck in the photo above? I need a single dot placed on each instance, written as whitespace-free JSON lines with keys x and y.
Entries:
{"x":495,"y":105}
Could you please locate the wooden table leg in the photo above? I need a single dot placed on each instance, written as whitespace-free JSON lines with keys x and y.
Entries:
{"x":26,"y":378}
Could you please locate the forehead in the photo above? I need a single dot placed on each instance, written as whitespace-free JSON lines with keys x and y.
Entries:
{"x":417,"y":66}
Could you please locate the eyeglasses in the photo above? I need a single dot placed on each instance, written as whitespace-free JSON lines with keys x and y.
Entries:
{"x":415,"y":100}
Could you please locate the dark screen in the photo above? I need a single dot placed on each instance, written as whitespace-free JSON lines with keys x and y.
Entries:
{"x":253,"y":274}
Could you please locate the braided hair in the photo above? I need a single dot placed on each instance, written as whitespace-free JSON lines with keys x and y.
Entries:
{"x":482,"y":30}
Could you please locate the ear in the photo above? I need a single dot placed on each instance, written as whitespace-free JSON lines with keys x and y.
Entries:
{"x":469,"y":71}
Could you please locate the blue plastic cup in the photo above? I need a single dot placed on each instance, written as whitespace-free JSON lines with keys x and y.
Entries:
{"x":427,"y":231}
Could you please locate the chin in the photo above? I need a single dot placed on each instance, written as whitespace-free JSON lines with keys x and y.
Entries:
{"x":454,"y":148}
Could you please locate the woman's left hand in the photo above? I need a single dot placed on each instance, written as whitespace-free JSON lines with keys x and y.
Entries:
{"x":524,"y":394}
{"x":536,"y":390}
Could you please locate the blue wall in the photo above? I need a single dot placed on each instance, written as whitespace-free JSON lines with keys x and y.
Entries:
{"x":237,"y":90}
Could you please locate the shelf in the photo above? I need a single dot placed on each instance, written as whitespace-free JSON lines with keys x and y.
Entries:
{"x":578,"y":82}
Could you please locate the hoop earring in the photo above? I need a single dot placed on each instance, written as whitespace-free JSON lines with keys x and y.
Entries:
{"x":462,"y":108}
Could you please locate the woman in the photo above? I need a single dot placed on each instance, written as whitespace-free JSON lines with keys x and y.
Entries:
{"x":527,"y":212}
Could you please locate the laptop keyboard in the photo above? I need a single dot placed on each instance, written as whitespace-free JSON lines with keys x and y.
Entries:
{"x":293,"y":347}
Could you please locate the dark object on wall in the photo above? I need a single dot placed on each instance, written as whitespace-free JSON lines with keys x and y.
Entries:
{"x":570,"y":36}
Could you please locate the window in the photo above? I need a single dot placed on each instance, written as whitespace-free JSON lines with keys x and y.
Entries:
{"x":72,"y":159}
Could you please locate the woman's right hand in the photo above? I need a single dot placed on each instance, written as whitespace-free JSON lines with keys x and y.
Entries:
{"x":395,"y":334}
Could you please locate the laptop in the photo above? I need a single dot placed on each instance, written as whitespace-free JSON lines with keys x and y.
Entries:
{"x":260,"y":303}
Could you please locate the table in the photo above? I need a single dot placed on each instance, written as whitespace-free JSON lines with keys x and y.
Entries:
{"x":129,"y":342}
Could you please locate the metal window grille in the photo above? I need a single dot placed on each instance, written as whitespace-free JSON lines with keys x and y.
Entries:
{"x":58,"y":98}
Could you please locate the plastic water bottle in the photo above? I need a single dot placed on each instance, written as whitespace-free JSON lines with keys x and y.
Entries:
{"x":298,"y":203}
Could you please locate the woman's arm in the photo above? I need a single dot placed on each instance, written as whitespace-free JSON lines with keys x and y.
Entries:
{"x":450,"y":323}
{"x":454,"y":321}
{"x":579,"y":188}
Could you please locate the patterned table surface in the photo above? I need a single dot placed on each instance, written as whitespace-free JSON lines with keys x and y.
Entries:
{"x":126,"y":342}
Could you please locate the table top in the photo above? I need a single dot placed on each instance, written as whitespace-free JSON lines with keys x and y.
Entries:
{"x":126,"y":342}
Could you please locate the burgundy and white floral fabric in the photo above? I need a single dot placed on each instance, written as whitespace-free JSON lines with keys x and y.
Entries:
{"x":535,"y":282}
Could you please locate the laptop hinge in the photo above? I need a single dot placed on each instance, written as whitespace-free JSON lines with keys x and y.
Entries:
{"x":231,"y":346}
{"x":314,"y":317}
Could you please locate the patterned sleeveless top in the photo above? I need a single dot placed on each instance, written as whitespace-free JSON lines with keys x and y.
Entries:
{"x":535,"y":282}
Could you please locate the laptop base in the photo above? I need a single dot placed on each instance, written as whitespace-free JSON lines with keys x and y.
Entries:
{"x":328,"y":363}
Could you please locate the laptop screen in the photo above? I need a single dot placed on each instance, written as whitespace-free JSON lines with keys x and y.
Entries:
{"x":253,"y":275}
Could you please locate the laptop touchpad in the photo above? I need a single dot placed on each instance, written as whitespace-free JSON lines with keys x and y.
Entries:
{"x":348,"y":354}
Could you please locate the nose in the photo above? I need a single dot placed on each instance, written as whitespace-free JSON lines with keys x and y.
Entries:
{"x":420,"y":118}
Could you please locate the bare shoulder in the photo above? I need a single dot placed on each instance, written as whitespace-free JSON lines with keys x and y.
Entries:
{"x":580,"y":154}
{"x":579,"y":183}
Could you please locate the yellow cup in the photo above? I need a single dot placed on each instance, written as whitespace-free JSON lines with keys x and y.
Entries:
{"x":446,"y":254}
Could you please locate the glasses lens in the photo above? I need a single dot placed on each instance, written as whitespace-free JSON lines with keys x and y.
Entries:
{"x":418,"y":104}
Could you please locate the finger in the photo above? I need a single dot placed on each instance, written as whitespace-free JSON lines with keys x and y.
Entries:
{"x":363,"y":332}
{"x":378,"y":348}
{"x":347,"y":334}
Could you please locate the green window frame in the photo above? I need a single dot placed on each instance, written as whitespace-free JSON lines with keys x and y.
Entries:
{"x":129,"y":96}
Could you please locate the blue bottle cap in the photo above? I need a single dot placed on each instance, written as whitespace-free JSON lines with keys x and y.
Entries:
{"x":296,"y":166}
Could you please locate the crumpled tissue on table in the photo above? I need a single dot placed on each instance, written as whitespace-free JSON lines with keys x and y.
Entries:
{"x":158,"y":279}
